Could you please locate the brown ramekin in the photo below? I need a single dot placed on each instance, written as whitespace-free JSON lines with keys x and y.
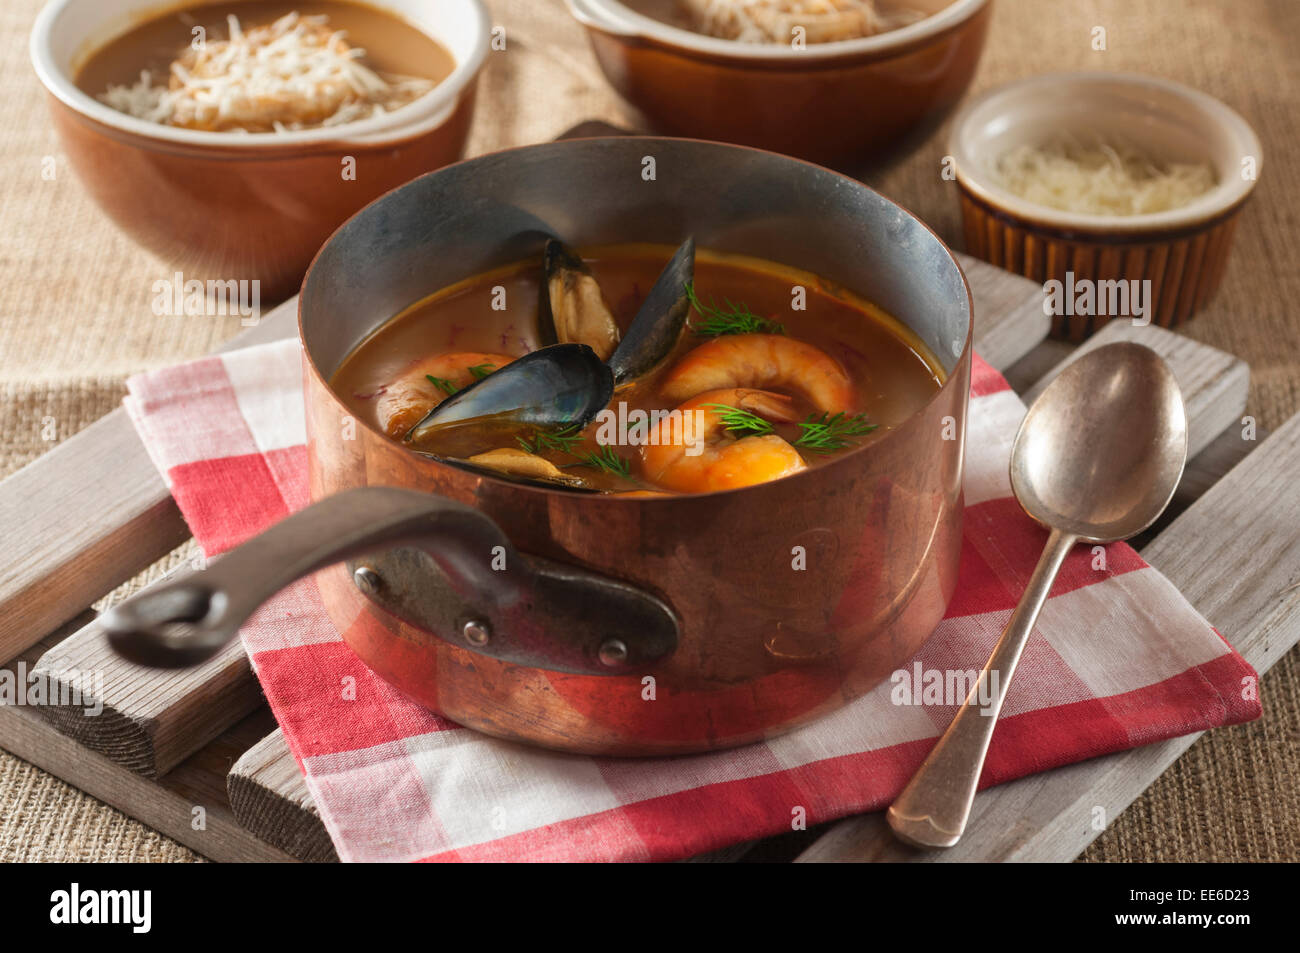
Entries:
{"x":1182,"y":252}
{"x":218,"y":206}
{"x":836,"y":103}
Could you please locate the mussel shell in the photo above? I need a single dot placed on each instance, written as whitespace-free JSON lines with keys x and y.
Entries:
{"x":574,"y":487}
{"x":658,"y":324}
{"x":564,"y":385}
{"x":598,"y":329}
{"x":554,"y":256}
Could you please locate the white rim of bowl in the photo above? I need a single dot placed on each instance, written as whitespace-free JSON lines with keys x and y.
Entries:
{"x":1227,"y":193}
{"x":429,"y":110}
{"x":617,"y":18}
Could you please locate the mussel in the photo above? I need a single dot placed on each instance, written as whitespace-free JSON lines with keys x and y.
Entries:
{"x":564,"y":385}
{"x":658,"y":324}
{"x":571,"y":307}
{"x":495,"y":463}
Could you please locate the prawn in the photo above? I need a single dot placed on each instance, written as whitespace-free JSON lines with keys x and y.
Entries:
{"x":427,"y":383}
{"x":762,"y":361}
{"x":724,"y":462}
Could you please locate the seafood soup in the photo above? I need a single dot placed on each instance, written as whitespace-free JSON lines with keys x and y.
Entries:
{"x":265,"y":66}
{"x":614,"y":372}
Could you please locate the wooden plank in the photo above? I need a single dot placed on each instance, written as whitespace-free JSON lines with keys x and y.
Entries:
{"x":1213,"y":463}
{"x":88,"y":515}
{"x":1235,"y":554}
{"x":167,"y":805}
{"x":1213,"y":382}
{"x":1009,"y":317}
{"x":1027,"y":371}
{"x":270,"y":799}
{"x":147,"y":720}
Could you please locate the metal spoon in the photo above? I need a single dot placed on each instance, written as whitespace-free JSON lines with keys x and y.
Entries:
{"x":1096,"y":459}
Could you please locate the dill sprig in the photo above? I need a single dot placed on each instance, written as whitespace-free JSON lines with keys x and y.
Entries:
{"x":480,"y":371}
{"x":734,"y":319}
{"x":606,"y":459}
{"x":826,"y":434}
{"x":563,"y":440}
{"x":741,"y":421}
{"x":444,"y":385}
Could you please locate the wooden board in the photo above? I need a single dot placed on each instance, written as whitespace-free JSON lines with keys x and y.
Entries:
{"x":270,"y":799}
{"x":190,"y":805}
{"x":145,"y":719}
{"x":89,"y":515}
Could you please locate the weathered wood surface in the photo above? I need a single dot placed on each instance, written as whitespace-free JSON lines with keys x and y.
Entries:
{"x":189,"y":804}
{"x":89,"y":515}
{"x":146,"y":719}
{"x":1235,"y":554}
{"x":270,"y":799}
{"x":1009,"y":318}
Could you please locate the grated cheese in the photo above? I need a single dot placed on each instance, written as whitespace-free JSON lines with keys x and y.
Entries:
{"x":774,"y":21}
{"x":295,"y":73}
{"x":1100,"y":179}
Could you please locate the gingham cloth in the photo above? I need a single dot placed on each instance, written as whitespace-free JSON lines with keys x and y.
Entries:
{"x":1118,"y":659}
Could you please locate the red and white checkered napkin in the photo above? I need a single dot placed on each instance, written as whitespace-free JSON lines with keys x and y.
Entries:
{"x":1118,"y":659}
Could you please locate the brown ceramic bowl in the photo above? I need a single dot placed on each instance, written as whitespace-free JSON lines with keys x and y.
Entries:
{"x":221,"y":206}
{"x":1182,"y":252}
{"x":837,"y":103}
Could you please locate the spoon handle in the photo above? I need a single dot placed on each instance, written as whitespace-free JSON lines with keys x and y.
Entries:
{"x":933,"y":809}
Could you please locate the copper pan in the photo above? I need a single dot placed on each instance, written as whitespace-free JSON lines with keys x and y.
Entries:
{"x":617,"y":626}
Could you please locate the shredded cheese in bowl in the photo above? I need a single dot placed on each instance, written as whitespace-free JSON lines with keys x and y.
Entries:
{"x":1100,"y":178}
{"x":774,"y":21}
{"x":292,"y":74}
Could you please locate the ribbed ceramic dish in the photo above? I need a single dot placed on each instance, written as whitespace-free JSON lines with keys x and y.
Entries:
{"x":1182,"y":252}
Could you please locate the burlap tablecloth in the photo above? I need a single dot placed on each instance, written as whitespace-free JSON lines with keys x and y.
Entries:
{"x":75,"y":320}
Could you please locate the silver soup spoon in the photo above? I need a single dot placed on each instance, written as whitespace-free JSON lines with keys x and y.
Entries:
{"x":1096,"y":459}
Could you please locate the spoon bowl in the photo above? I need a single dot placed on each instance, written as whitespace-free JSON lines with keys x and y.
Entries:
{"x":1101,"y":451}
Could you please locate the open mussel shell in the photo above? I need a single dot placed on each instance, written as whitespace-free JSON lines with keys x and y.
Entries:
{"x":564,"y":385}
{"x":571,"y":307}
{"x":658,"y":323}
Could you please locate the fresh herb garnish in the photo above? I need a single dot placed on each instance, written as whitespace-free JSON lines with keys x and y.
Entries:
{"x":733,"y":418}
{"x":826,"y":434}
{"x":446,"y":386}
{"x":734,"y":319}
{"x":480,"y":371}
{"x":606,"y":459}
{"x":563,"y":440}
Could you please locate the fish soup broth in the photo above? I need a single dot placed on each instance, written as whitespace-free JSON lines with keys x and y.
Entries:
{"x":405,"y":60}
{"x":411,"y":363}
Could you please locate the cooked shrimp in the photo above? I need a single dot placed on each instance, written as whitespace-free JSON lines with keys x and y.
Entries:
{"x":407,"y":399}
{"x":720,"y":460}
{"x":764,"y":361}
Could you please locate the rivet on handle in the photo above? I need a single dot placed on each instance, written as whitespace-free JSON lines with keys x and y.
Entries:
{"x":476,"y":632}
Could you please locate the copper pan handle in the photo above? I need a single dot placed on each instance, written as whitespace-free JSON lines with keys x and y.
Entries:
{"x":439,"y":565}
